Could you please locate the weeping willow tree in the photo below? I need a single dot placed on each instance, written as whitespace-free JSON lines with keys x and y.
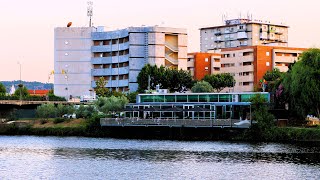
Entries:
{"x":302,"y":84}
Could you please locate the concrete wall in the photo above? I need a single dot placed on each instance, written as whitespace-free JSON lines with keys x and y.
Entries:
{"x":72,"y":55}
{"x":156,"y":38}
{"x":137,"y":38}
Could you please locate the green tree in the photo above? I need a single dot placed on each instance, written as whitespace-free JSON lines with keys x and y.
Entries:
{"x":64,"y":109}
{"x":101,"y":89}
{"x":46,"y":111}
{"x":220,"y":81}
{"x":302,"y":84}
{"x":272,"y":75}
{"x":2,"y":89}
{"x":180,"y":80}
{"x":143,"y":77}
{"x":85,"y":111}
{"x":111,"y":105}
{"x":260,"y":114}
{"x":172,"y":79}
{"x":273,"y":79}
{"x":24,"y":91}
{"x":201,"y":87}
{"x":132,"y":97}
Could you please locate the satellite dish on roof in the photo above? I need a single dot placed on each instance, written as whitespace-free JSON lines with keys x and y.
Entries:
{"x":69,"y":24}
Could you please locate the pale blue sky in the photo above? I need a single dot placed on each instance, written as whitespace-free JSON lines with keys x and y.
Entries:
{"x":27,"y":26}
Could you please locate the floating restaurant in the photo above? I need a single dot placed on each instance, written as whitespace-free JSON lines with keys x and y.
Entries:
{"x":188,"y":109}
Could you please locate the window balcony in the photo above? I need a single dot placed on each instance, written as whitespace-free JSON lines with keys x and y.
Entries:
{"x":110,"y":71}
{"x":113,"y":83}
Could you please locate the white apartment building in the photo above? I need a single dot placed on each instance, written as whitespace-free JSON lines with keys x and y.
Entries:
{"x":243,"y":32}
{"x":83,"y":55}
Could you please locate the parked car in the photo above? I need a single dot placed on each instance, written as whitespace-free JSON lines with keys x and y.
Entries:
{"x":70,"y":116}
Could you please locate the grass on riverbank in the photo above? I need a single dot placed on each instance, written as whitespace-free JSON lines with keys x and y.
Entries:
{"x":295,"y":134}
{"x":67,"y":123}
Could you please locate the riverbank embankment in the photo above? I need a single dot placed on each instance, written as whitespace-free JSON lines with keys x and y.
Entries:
{"x":87,"y":128}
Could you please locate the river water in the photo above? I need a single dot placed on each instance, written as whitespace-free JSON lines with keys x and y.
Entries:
{"x":31,"y":157}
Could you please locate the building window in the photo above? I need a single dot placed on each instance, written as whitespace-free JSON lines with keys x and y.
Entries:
{"x":206,"y":68}
{"x":246,"y":73}
{"x":267,"y":63}
{"x":267,"y":53}
{"x":247,"y":53}
{"x":226,"y":55}
{"x":206,"y":59}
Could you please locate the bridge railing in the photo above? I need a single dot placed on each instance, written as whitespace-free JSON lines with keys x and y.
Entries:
{"x":33,"y":98}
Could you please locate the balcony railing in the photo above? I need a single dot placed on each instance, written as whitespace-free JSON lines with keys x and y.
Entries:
{"x":173,"y":122}
{"x":113,"y":83}
{"x":110,"y":71}
{"x":172,"y":47}
{"x":170,"y":59}
{"x":109,"y":60}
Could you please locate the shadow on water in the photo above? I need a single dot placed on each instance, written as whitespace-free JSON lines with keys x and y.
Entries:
{"x":310,"y":158}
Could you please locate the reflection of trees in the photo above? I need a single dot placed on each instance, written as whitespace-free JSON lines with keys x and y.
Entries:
{"x":176,"y":156}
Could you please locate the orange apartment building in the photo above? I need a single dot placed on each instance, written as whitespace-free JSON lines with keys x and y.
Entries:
{"x":247,"y":64}
{"x":199,"y":64}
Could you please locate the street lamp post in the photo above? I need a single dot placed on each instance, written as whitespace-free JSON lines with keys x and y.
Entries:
{"x":20,"y":85}
{"x":66,"y":77}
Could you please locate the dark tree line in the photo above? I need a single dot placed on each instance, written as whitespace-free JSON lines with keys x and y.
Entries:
{"x":172,"y":79}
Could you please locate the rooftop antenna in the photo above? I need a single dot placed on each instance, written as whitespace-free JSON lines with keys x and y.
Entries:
{"x":89,"y":11}
{"x":224,"y":18}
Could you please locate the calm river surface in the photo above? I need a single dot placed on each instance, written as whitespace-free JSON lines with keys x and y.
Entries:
{"x":31,"y":157}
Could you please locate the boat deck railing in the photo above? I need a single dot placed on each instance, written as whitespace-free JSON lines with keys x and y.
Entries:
{"x":127,"y":122}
